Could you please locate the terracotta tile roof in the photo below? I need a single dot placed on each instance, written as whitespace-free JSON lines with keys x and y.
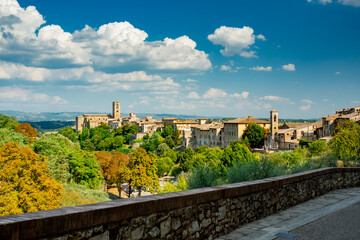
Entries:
{"x":292,"y":125}
{"x":169,"y":118}
{"x":317,"y":124}
{"x":150,"y":122}
{"x":349,"y":115}
{"x":300,"y":125}
{"x":286,"y":130}
{"x":332,"y":117}
{"x":247,"y":121}
{"x":188,"y":121}
{"x":209,"y":126}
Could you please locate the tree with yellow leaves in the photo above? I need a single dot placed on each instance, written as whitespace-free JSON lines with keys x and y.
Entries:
{"x":140,"y":171}
{"x":25,"y":183}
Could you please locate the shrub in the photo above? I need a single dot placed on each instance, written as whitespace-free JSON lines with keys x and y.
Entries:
{"x":202,"y":176}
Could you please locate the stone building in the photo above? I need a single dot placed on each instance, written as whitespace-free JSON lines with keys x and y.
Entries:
{"x":206,"y":134}
{"x":94,"y":120}
{"x":149,"y":125}
{"x":181,"y":125}
{"x":216,"y":134}
{"x":168,"y":120}
{"x":329,"y":122}
{"x":234,"y":129}
{"x":131,"y":119}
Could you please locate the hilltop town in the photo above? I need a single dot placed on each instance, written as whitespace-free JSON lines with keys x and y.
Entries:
{"x":209,"y":133}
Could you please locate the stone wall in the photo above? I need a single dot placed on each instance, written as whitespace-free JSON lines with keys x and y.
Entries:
{"x":196,"y":214}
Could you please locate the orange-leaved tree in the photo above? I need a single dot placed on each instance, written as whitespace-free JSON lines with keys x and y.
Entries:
{"x":25,"y":183}
{"x":123,"y":173}
{"x":27,"y":130}
{"x":109,"y":167}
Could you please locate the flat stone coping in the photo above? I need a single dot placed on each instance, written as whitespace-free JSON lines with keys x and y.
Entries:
{"x":295,"y":217}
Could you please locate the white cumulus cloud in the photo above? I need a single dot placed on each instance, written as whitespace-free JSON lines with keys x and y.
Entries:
{"x":261,"y":37}
{"x":225,"y":68}
{"x":258,"y":68}
{"x":235,"y":40}
{"x":26,"y":39}
{"x":288,"y":67}
{"x":215,"y":93}
{"x":193,"y":95}
{"x":353,"y":3}
{"x":275,"y":98}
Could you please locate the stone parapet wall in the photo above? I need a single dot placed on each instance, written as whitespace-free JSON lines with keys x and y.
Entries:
{"x":203,"y":213}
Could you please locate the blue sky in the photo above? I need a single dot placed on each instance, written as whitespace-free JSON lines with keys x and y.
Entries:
{"x":234,"y":58}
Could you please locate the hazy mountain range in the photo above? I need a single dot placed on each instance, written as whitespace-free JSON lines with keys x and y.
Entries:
{"x":70,"y":116}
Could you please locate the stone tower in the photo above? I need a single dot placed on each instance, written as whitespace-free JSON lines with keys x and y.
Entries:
{"x":116,"y":110}
{"x":274,"y":125}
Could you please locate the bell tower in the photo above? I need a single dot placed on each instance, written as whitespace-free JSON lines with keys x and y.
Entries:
{"x":274,"y":126}
{"x":116,"y":110}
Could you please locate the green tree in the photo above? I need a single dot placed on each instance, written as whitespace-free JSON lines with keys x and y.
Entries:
{"x":69,"y":133}
{"x":346,"y":142}
{"x":161,"y":149}
{"x":118,"y":142}
{"x":8,"y":122}
{"x":84,"y":135}
{"x":186,"y":160}
{"x":255,"y":135}
{"x":164,"y":166}
{"x":9,"y":135}
{"x":176,"y":137}
{"x":235,"y":153}
{"x":87,"y":145}
{"x":171,"y":153}
{"x":202,"y":176}
{"x":168,"y":131}
{"x":317,"y":147}
{"x":25,"y":184}
{"x":154,"y":141}
{"x":84,"y":169}
{"x":169,"y":141}
{"x":57,"y":149}
{"x":146,"y":136}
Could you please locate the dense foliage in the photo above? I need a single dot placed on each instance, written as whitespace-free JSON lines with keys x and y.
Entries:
{"x":346,"y":142}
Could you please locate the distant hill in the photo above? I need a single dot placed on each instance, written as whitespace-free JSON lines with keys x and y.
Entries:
{"x":50,"y":125}
{"x":42,"y":116}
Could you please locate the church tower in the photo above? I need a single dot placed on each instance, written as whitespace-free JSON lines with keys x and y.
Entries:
{"x":274,"y":126}
{"x":116,"y":110}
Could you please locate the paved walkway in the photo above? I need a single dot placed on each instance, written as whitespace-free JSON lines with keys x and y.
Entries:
{"x":334,"y":215}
